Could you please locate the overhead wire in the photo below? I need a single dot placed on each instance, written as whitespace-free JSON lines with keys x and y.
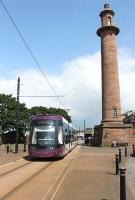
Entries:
{"x":30,"y":51}
{"x":42,"y":96}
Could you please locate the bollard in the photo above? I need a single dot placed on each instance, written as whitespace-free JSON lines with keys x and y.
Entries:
{"x":10,"y":149}
{"x":7,"y":148}
{"x":119,"y":155}
{"x":24,"y":149}
{"x":125,"y":150}
{"x":133,"y":150}
{"x":122,"y":184}
{"x":117,"y":164}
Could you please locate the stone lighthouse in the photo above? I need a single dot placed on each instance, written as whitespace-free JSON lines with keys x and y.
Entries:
{"x":111,"y":127}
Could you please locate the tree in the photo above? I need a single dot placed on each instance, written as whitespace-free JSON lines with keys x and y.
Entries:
{"x":43,"y":110}
{"x":61,"y":112}
{"x":8,"y":113}
{"x":38,"y":110}
{"x":8,"y":117}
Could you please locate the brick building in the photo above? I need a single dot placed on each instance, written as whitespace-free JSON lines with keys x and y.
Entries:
{"x":112,"y":126}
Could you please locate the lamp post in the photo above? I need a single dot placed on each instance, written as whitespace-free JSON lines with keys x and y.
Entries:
{"x":17,"y":115}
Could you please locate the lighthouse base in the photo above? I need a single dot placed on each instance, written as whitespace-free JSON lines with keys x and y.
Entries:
{"x":105,"y":133}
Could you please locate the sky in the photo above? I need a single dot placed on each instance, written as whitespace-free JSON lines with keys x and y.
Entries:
{"x":62,"y":37}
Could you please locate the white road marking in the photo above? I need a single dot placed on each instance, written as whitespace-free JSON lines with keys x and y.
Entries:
{"x":10,"y":163}
{"x":61,"y":180}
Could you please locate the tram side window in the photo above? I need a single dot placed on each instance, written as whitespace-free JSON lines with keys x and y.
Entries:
{"x":34,"y":137}
{"x":73,"y":137}
{"x":71,"y":134}
{"x":65,"y":133}
{"x":60,"y":137}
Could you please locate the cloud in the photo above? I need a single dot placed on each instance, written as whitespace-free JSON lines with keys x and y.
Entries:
{"x":127,"y":79}
{"x":80,"y":82}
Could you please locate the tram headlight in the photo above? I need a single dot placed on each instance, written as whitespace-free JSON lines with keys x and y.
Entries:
{"x":52,"y":148}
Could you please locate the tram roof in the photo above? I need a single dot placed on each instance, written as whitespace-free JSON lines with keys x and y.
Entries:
{"x":50,"y":117}
{"x":46,"y":117}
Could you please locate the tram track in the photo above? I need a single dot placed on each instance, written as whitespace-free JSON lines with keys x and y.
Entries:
{"x":56,"y":186}
{"x":19,"y":167}
{"x":21,"y":184}
{"x":38,"y":180}
{"x":43,"y":184}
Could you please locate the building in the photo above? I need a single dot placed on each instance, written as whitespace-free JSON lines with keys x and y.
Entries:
{"x":129,"y":118}
{"x":112,"y":126}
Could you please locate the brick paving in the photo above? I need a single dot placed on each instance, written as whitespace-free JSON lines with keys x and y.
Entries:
{"x":11,"y":156}
{"x":92,"y":174}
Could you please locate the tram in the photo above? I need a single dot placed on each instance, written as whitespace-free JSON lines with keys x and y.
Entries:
{"x":51,"y":136}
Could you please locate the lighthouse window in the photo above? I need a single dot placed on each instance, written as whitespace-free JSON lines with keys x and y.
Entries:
{"x":114,"y":112}
{"x":109,"y":21}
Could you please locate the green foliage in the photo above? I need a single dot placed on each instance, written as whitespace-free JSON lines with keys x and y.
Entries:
{"x":43,"y":110}
{"x":8,"y":113}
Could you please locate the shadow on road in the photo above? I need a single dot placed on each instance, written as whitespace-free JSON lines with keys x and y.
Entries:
{"x":29,"y":158}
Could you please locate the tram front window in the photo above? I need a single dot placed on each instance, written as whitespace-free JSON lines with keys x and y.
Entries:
{"x":44,"y":135}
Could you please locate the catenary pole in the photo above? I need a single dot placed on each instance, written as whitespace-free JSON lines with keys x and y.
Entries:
{"x":17,"y":115}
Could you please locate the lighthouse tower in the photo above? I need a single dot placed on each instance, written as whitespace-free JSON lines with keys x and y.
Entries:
{"x":111,"y":127}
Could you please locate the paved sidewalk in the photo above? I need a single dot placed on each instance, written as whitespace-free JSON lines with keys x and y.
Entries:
{"x":92,"y":177}
{"x":11,"y":156}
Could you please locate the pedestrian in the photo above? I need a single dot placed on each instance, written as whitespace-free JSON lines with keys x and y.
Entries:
{"x":114,"y":143}
{"x":7,"y":148}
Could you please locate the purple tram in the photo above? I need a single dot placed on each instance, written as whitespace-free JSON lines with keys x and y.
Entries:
{"x":51,"y":136}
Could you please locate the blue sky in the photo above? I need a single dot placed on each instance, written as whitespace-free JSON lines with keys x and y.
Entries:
{"x":58,"y":32}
